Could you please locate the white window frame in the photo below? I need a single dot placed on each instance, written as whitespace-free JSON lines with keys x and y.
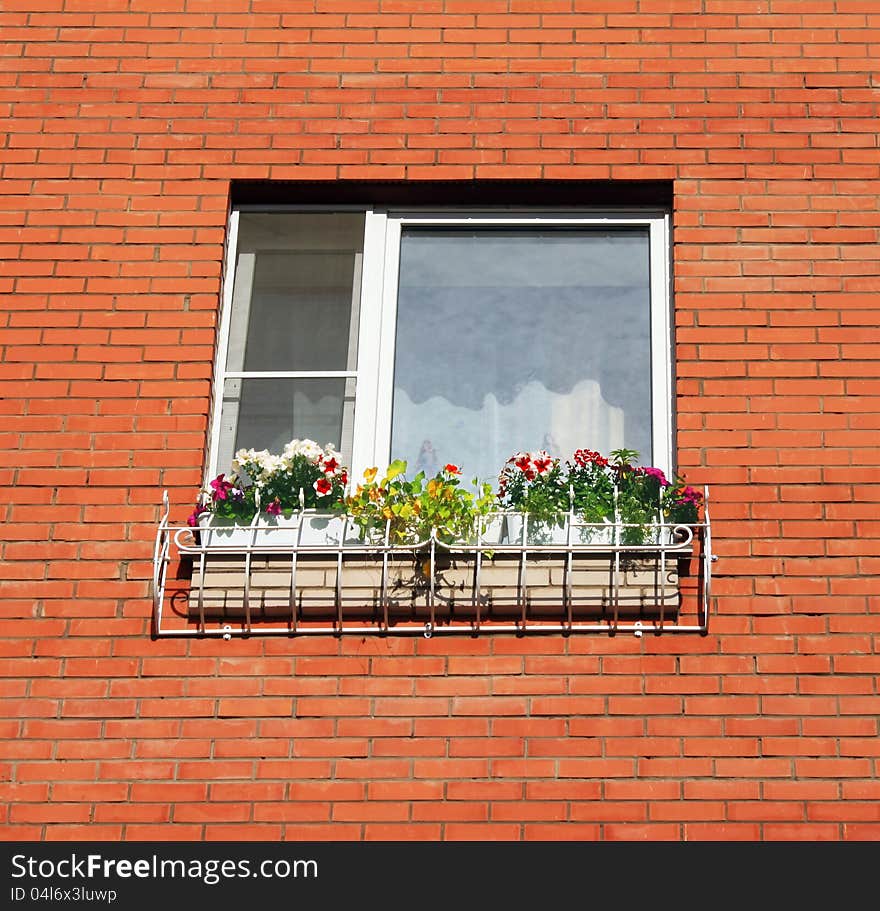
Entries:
{"x":374,"y":375}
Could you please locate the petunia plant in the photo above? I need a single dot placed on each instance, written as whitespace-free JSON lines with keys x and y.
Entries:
{"x":536,"y":484}
{"x":304,"y":476}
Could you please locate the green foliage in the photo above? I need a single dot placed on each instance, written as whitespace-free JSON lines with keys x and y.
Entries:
{"x":594,"y":488}
{"x":597,"y":490}
{"x":412,"y":510}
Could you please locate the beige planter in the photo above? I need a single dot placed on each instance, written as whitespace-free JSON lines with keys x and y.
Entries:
{"x":504,"y":588}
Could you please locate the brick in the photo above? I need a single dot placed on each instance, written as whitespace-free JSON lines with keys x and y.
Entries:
{"x":112,"y":250}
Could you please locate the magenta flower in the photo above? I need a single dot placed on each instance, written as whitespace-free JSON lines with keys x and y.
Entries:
{"x":220,"y":487}
{"x":658,"y":474}
{"x":690,"y":495}
{"x":274,"y":508}
{"x":193,"y":519}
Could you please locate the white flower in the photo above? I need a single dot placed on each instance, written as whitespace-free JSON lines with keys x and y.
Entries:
{"x":269,"y":465}
{"x":248,"y":463}
{"x":290,"y":449}
{"x":307,"y":448}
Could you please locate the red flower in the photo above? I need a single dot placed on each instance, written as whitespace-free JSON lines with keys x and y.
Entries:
{"x":452,"y":469}
{"x":543,"y":465}
{"x":330,"y":465}
{"x":523,"y":463}
{"x":343,"y":478}
{"x":584,"y":457}
{"x":322,"y":487}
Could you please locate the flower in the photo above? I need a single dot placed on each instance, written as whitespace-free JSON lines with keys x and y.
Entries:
{"x":542,"y":462}
{"x":534,"y":483}
{"x":597,"y":490}
{"x":220,"y":487}
{"x":657,"y":474}
{"x":414,"y":511}
{"x":690,"y":495}
{"x":303,"y":476}
{"x":307,"y":448}
{"x":193,"y":519}
{"x":585,"y":457}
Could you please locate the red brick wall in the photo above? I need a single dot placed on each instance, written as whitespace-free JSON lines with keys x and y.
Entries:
{"x":126,"y":122}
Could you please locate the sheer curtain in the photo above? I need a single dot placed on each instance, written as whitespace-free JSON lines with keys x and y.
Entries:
{"x":521,"y":339}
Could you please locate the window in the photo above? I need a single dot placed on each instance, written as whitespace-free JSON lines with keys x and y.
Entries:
{"x":445,"y":337}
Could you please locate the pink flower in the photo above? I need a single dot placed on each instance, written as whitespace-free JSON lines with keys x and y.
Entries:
{"x":322,"y":487}
{"x":220,"y":487}
{"x":690,"y":495}
{"x":658,"y":474}
{"x":274,"y":508}
{"x":193,"y":519}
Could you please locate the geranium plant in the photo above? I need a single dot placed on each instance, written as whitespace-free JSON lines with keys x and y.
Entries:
{"x":304,"y":476}
{"x":596,"y":489}
{"x":411,"y":510}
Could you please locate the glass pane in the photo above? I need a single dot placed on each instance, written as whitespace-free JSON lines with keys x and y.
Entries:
{"x":295,"y":298}
{"x":521,"y":339}
{"x":267,"y":413}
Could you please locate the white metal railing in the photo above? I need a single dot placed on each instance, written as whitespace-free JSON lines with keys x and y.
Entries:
{"x":666,"y":542}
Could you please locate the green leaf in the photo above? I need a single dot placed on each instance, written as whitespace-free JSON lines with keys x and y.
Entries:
{"x":397,"y":467}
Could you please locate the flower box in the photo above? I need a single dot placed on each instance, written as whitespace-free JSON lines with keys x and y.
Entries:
{"x":309,"y":528}
{"x":503,"y":588}
{"x":285,"y":539}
